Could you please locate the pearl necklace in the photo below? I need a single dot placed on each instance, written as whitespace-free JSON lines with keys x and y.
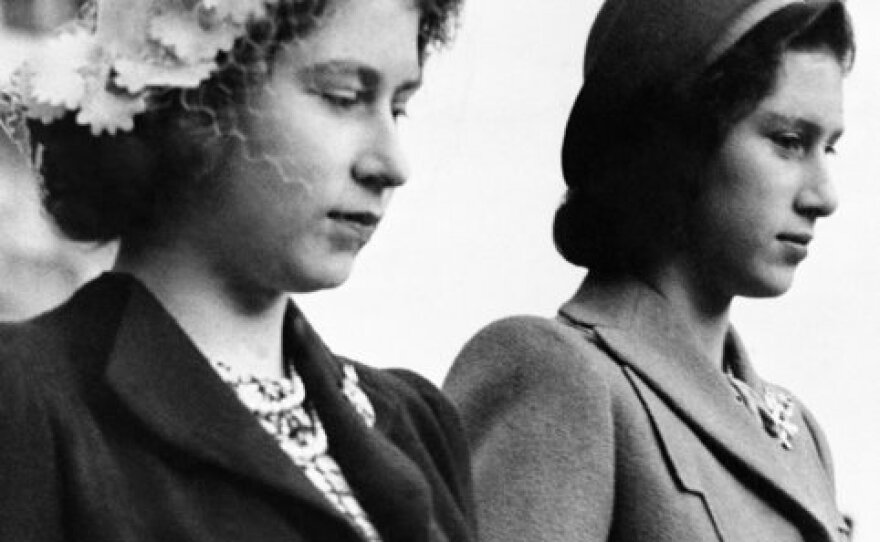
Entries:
{"x":280,"y":407}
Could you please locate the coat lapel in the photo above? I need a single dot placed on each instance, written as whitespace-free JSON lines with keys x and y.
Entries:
{"x":387,"y":483}
{"x":159,"y":374}
{"x":642,"y":332}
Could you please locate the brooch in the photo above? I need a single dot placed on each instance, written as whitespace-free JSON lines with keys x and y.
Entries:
{"x":776,"y":413}
{"x":775,"y":409}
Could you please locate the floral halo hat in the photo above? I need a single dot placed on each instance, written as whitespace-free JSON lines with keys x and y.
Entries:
{"x":107,"y":63}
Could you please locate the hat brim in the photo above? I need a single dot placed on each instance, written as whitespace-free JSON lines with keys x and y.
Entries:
{"x":590,"y":113}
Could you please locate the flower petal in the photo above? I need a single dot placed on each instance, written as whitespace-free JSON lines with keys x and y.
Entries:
{"x":34,"y":108}
{"x":193,"y":34}
{"x":237,"y":11}
{"x":47,"y":113}
{"x":110,"y":111}
{"x":136,"y":75}
{"x":55,"y":73}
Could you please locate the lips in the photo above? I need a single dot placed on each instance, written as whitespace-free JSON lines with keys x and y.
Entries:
{"x":355,"y":228}
{"x":796,"y":238}
{"x":796,"y":245}
{"x":365,"y":218}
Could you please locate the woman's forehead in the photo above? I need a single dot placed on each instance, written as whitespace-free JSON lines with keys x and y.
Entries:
{"x":808,"y":91}
{"x":372,"y":37}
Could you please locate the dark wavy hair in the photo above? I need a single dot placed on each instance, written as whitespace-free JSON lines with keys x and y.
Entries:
{"x":98,"y":189}
{"x":635,"y":209}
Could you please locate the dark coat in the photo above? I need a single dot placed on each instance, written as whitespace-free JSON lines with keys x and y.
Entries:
{"x":605,"y":424}
{"x":114,"y":428}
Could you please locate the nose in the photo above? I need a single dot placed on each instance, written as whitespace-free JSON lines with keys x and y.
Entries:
{"x":818,"y":198}
{"x":381,"y":163}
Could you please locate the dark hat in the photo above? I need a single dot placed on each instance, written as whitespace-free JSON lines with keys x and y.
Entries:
{"x":639,"y":44}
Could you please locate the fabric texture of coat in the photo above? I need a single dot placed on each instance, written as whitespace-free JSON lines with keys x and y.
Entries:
{"x":114,"y":428}
{"x":605,"y":424}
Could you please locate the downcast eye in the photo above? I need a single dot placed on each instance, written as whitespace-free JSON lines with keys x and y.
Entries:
{"x":341,"y":98}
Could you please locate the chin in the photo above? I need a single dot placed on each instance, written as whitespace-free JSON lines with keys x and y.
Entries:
{"x":767,"y":285}
{"x":317,"y":278}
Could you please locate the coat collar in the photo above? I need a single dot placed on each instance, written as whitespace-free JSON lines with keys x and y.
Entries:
{"x":161,"y":376}
{"x":641,"y":330}
{"x":389,"y":485}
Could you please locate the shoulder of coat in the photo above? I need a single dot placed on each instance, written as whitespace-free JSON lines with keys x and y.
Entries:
{"x":533,"y":347}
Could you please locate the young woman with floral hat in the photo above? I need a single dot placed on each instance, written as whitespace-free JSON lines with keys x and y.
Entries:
{"x":697,"y":162}
{"x":239,"y":150}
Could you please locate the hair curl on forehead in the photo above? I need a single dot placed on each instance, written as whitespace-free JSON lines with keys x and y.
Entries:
{"x":244,"y":71}
{"x":437,"y":21}
{"x":292,"y":19}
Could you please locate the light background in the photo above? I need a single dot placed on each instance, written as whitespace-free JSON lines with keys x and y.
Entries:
{"x":468,"y":238}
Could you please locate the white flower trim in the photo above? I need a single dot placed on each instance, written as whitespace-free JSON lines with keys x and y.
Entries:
{"x":105,"y":71}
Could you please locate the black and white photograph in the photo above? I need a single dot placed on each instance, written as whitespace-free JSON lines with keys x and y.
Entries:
{"x":439,"y":270}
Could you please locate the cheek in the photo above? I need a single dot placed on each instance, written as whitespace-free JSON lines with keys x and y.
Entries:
{"x":747,"y":187}
{"x":261,"y":207}
{"x":724,"y":219}
{"x":292,"y":138}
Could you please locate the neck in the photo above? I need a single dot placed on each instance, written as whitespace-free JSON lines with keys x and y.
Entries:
{"x":706,"y":312}
{"x":227,"y":322}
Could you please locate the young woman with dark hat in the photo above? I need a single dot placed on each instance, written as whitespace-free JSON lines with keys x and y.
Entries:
{"x":239,"y":150}
{"x":696,"y":158}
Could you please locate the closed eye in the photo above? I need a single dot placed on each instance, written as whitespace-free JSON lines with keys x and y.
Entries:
{"x":343,"y":98}
{"x":790,"y":142}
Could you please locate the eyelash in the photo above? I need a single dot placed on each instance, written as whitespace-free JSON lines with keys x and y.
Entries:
{"x":347,"y":100}
{"x":797,"y":143}
{"x":398,"y":111}
{"x":343,"y":100}
{"x":790,"y":142}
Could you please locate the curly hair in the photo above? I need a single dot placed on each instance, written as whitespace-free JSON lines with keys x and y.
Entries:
{"x":100,"y":188}
{"x":648,"y":164}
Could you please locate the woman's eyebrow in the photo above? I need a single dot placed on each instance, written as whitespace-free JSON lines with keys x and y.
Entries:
{"x":801,"y":123}
{"x":367,"y":76}
{"x":344,"y":68}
